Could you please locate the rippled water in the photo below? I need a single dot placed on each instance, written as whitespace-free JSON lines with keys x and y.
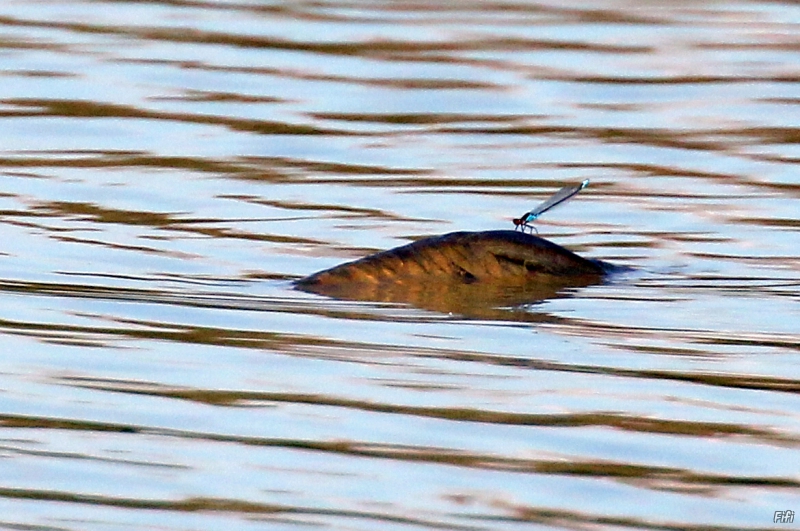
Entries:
{"x":169,"y":167}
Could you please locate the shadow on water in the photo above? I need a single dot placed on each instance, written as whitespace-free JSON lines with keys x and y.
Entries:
{"x":487,"y":301}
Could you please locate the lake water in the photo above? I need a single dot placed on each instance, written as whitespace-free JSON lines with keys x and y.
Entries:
{"x":169,"y":167}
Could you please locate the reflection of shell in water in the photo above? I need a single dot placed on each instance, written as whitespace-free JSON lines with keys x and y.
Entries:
{"x":461,"y":268}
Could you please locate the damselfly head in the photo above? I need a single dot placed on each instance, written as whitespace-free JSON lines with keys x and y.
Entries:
{"x":520,"y":223}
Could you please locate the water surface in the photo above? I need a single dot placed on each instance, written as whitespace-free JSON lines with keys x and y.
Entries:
{"x":168,"y":168}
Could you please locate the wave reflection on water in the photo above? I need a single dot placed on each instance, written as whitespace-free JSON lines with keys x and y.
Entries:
{"x":169,"y":168}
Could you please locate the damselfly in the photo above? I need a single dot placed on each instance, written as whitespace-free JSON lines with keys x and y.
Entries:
{"x":563,"y":195}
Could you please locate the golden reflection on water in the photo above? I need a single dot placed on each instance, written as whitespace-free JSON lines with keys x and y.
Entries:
{"x":170,"y":168}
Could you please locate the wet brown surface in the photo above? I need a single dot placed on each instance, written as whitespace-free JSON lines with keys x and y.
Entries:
{"x":468,"y":273}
